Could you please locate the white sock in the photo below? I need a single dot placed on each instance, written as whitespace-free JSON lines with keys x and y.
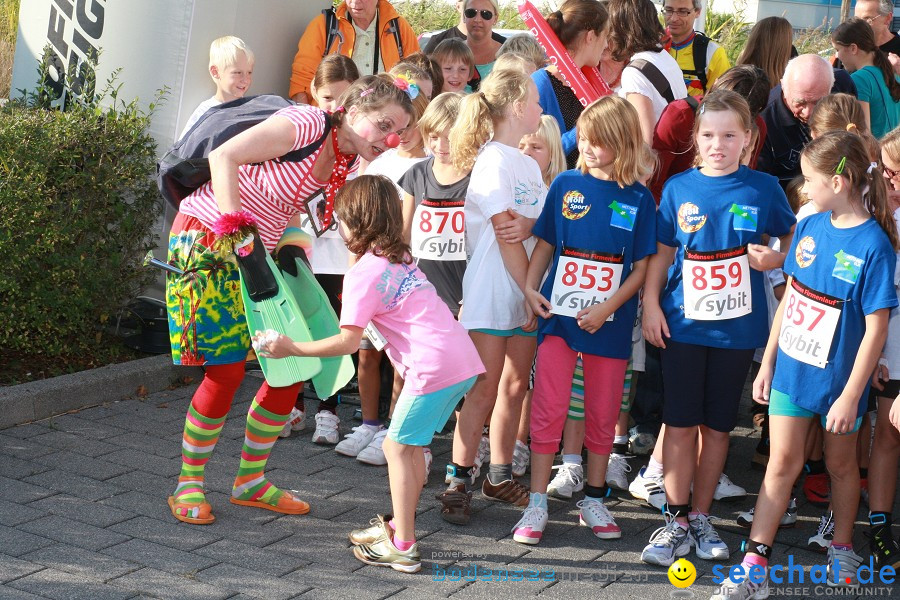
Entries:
{"x":654,"y":468}
{"x":571,"y":459}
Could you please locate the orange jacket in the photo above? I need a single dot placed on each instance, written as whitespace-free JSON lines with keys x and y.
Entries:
{"x":312,"y":44}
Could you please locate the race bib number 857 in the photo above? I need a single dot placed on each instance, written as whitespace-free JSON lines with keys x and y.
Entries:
{"x":808,"y":324}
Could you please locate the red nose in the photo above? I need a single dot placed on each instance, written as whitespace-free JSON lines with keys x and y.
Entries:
{"x":392,"y":140}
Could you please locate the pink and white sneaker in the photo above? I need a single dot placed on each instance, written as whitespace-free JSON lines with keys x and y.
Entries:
{"x":530,"y":527}
{"x":595,"y":515}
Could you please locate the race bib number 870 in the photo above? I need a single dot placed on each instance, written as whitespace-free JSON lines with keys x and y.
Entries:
{"x":808,"y":324}
{"x":716,"y":284}
{"x":438,"y":230}
{"x":584,"y":278}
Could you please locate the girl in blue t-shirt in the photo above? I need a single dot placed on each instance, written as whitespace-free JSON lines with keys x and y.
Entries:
{"x":826,"y":338}
{"x":708,"y":314}
{"x":598,"y":229}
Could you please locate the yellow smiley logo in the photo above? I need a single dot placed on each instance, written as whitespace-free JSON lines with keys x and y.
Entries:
{"x":682,"y":573}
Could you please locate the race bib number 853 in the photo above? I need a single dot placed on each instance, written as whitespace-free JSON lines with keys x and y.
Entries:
{"x":716,"y":284}
{"x":584,"y":278}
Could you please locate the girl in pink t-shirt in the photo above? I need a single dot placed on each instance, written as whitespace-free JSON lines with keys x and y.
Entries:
{"x":427,"y":346}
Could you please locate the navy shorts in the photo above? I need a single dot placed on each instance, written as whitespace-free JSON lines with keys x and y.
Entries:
{"x":703,"y":385}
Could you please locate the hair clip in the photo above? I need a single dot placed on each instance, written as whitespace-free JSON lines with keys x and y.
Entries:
{"x":702,"y":108}
{"x":366,"y":92}
{"x":851,"y":127}
{"x":841,"y":165}
{"x":405,"y":83}
{"x":872,"y":167}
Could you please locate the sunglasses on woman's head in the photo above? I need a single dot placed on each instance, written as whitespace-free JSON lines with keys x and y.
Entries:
{"x":485,"y":14}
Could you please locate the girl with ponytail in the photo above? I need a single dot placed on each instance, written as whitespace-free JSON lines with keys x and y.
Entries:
{"x":878,"y":88}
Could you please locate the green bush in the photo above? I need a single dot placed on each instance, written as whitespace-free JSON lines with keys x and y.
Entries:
{"x":79,"y":202}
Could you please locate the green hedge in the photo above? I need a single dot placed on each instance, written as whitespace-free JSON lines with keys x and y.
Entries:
{"x":77,"y":206}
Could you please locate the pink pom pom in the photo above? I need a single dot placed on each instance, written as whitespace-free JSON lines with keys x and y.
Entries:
{"x":392,"y":140}
{"x":232,"y":222}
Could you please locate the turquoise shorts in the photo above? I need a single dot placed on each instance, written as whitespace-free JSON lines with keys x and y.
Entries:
{"x":780,"y":404}
{"x":507,"y":332}
{"x":417,"y":418}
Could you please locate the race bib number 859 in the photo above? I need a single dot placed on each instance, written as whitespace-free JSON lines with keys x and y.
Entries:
{"x":584,"y":278}
{"x":716,"y":284}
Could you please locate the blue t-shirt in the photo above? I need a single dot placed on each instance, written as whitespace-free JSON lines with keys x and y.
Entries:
{"x":852,"y":269}
{"x":719,"y":215}
{"x":884,"y":111}
{"x":593,"y":218}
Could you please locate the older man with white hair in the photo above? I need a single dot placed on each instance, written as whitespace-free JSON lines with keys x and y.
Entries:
{"x":807,"y":79}
{"x":879,"y":14}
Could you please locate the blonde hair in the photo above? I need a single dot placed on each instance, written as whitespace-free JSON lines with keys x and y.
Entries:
{"x":890,"y":144}
{"x":414,"y":74}
{"x":494,"y":3}
{"x":224,"y":50}
{"x":527,"y":46}
{"x":843,"y":112}
{"x":514,"y":61}
{"x":549,"y":133}
{"x":480,"y":110}
{"x":612,"y":123}
{"x":440,"y":114}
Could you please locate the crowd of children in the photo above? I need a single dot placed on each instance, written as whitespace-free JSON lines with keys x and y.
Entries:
{"x":518,"y":296}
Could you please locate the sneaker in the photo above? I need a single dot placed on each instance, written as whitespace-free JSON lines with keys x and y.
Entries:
{"x":355,"y":441}
{"x":378,"y":528}
{"x":383,"y":553}
{"x":531,"y":526}
{"x":727,"y":491}
{"x":707,"y":543}
{"x":649,"y":489}
{"x":641,"y":444}
{"x":510,"y":491}
{"x":745,"y":590}
{"x":429,"y":458}
{"x":595,"y":515}
{"x":569,"y":478}
{"x":842,"y":567}
{"x":885,"y":549}
{"x":326,"y":428}
{"x":296,"y":422}
{"x":482,"y":456}
{"x":788,"y":519}
{"x":817,"y":490}
{"x":456,"y":505}
{"x":521,"y":459}
{"x":616,"y":472}
{"x":667,"y":544}
{"x":821,"y":541}
{"x":373,"y":454}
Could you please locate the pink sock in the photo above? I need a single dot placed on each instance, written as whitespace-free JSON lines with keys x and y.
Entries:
{"x":751,"y":559}
{"x":391,"y":523}
{"x":403,"y":545}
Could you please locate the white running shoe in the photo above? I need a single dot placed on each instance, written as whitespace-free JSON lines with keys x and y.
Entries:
{"x":354,"y":442}
{"x":745,"y":590}
{"x":595,"y":515}
{"x":530,"y":527}
{"x":788,"y":519}
{"x":649,"y":489}
{"x":327,"y":424}
{"x":667,"y":544}
{"x":821,"y":541}
{"x":843,"y":566}
{"x":707,"y":543}
{"x":616,"y":472}
{"x":296,"y":422}
{"x":641,"y":443}
{"x":521,"y":459}
{"x":373,"y":454}
{"x":429,"y":458}
{"x":482,"y":456}
{"x":568,"y":479}
{"x":726,"y":490}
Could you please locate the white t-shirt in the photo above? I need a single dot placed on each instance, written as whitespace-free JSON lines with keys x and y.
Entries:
{"x":198,"y":112}
{"x":892,"y":347}
{"x":393,"y":166}
{"x":634,"y":82}
{"x":502,"y":178}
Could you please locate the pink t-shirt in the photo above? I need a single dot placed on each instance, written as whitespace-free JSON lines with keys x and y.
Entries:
{"x":428,"y":347}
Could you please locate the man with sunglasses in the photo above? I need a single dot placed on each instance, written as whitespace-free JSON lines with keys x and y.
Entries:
{"x":459,"y":31}
{"x":370,"y":32}
{"x":701,"y":59}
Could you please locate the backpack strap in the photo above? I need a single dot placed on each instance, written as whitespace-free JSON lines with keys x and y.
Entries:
{"x":332,"y":31}
{"x":698,"y":49}
{"x":394,"y":27}
{"x":303,"y":153}
{"x":655,"y":77}
{"x":692,"y":102}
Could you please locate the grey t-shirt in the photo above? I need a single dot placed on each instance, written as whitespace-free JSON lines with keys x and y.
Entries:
{"x":445,"y":202}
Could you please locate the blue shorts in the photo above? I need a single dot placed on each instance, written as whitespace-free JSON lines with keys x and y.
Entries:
{"x":417,"y":418}
{"x":507,"y":332}
{"x":780,"y":404}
